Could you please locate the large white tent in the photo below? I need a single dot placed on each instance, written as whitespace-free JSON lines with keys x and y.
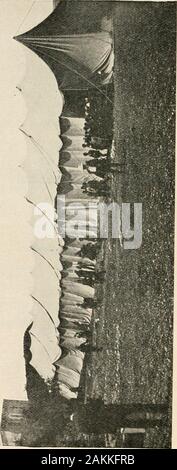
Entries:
{"x":29,"y":125}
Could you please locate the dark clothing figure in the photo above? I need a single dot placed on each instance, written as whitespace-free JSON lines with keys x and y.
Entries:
{"x":90,"y":250}
{"x":96,"y":188}
{"x":99,"y":143}
{"x":100,"y":170}
{"x":95,"y":154}
{"x":90,"y":276}
{"x":90,"y":303}
{"x":98,"y":418}
{"x":88,"y":348}
{"x":84,"y":330}
{"x":109,"y":165}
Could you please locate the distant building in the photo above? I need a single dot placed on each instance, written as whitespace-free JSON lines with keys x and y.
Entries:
{"x":13,"y":421}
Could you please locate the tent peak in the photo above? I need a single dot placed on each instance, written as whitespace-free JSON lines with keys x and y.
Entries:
{"x":18,"y":38}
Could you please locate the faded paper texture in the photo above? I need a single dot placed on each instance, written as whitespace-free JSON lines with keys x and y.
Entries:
{"x":87,"y":326}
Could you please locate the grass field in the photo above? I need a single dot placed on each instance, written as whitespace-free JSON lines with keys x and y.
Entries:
{"x":136,"y":312}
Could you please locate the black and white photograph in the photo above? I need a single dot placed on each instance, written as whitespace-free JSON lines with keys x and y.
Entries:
{"x":87,"y":204}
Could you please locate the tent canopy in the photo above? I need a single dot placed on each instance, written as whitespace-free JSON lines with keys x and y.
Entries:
{"x":76,"y":43}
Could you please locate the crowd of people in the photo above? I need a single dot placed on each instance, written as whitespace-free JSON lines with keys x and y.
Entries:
{"x":79,"y":278}
{"x":89,"y":151}
{"x":98,"y":141}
